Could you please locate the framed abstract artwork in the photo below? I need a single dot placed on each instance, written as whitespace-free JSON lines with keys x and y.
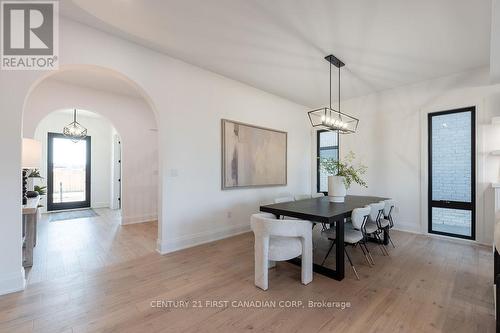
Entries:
{"x":252,"y":156}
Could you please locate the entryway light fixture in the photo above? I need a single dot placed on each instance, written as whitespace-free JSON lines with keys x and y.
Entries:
{"x":329,"y":118}
{"x":74,"y":130}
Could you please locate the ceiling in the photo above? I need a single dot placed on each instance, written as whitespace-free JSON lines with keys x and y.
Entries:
{"x":80,"y":113}
{"x":96,"y":79}
{"x":279,"y":46}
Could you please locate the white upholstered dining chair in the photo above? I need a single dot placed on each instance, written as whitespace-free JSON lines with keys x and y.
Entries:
{"x":375,"y":225}
{"x":387,"y":218}
{"x":352,"y":236}
{"x":280,"y":240}
{"x":318,"y":195}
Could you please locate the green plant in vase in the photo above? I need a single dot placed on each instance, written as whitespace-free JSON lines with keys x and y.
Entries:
{"x":341,"y":175}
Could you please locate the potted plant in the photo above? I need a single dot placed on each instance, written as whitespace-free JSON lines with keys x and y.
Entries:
{"x":32,"y":174}
{"x":341,"y":174}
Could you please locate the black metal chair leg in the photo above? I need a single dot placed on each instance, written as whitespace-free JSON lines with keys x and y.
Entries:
{"x":369,"y":253}
{"x":328,"y":253}
{"x":390,"y":240}
{"x":350,"y":261}
{"x":379,"y":241}
{"x":366,"y":256}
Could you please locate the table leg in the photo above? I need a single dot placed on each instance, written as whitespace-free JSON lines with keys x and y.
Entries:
{"x":30,"y":240}
{"x":339,"y":272}
{"x":339,"y":249}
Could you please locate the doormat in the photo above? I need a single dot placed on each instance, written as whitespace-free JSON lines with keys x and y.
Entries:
{"x":72,"y":215}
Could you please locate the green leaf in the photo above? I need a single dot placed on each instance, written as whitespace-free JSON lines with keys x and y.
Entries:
{"x":351,"y":173}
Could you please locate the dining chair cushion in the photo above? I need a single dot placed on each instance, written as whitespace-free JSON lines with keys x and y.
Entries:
{"x":388,"y":205}
{"x":384,"y":223}
{"x":284,"y":248}
{"x":371,"y":227}
{"x":375,"y":209}
{"x":351,"y":235}
{"x":358,"y":216}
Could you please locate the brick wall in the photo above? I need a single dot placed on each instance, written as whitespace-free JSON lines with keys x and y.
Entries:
{"x":451,"y":169}
{"x":451,"y":156}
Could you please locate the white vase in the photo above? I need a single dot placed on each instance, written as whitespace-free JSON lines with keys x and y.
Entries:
{"x":336,"y":189}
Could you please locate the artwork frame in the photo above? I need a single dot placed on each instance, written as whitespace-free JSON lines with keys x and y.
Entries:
{"x":280,"y":143}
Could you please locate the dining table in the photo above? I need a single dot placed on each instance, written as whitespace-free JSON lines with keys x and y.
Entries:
{"x":322,"y":210}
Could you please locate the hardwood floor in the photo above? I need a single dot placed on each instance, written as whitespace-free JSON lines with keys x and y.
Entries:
{"x":86,"y":244}
{"x":425,"y":285}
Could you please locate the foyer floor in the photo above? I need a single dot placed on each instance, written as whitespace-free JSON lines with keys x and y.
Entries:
{"x":83,"y":245}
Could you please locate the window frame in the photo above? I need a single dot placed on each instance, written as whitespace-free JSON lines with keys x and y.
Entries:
{"x":318,"y":150}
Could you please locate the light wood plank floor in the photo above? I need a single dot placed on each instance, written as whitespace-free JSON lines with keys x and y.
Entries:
{"x":84,"y":245}
{"x":425,"y":285}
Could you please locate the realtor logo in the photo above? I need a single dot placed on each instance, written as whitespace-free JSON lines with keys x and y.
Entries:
{"x":29,"y":35}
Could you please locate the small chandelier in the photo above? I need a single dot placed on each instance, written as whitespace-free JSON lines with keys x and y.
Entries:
{"x":329,"y":118}
{"x":74,"y":130}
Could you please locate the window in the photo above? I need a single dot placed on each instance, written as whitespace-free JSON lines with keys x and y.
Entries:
{"x":327,"y":147}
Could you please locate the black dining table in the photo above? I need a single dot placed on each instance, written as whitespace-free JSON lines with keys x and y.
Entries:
{"x":321,"y":210}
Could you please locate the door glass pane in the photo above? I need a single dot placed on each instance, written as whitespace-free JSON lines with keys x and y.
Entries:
{"x":69,"y":160}
{"x":451,"y":157}
{"x":452,"y":221}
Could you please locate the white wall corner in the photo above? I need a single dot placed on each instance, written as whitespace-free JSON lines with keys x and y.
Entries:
{"x":172,"y":245}
{"x":138,"y":219}
{"x":10,"y":283}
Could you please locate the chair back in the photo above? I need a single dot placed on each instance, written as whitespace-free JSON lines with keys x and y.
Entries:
{"x":302,"y":197}
{"x":359,"y":217}
{"x":264,"y":225}
{"x":376,"y":210}
{"x":318,"y":195}
{"x":283,"y":199}
{"x":389,"y":206}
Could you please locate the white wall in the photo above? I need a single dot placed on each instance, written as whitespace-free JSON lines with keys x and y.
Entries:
{"x":392,"y":141}
{"x":133,"y":120}
{"x":100,"y":130}
{"x":495,"y":42}
{"x":189,"y":103}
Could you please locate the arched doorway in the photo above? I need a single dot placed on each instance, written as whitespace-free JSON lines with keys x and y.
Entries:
{"x":106,"y":94}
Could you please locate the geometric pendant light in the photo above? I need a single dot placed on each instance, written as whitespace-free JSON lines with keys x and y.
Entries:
{"x":328,"y":118}
{"x":74,"y":130}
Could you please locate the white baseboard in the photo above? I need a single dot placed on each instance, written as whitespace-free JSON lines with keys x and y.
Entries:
{"x":184,"y":242}
{"x":138,"y":219}
{"x":412,"y":230}
{"x":10,"y":283}
{"x":100,"y":205}
{"x":407,"y":228}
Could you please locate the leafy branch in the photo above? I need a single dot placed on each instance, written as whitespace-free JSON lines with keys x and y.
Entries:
{"x":351,"y":173}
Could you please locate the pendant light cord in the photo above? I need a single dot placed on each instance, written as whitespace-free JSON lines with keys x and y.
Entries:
{"x":330,"y":85}
{"x":339,"y":89}
{"x":74,"y":115}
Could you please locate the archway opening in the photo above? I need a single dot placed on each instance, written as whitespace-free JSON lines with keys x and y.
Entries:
{"x":124,"y":179}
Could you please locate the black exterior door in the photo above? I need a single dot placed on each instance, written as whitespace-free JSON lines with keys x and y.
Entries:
{"x":452,"y":170}
{"x":68,"y":172}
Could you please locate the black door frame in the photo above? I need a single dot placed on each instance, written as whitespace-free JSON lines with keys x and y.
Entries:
{"x":453,"y":204}
{"x":50,"y":177}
